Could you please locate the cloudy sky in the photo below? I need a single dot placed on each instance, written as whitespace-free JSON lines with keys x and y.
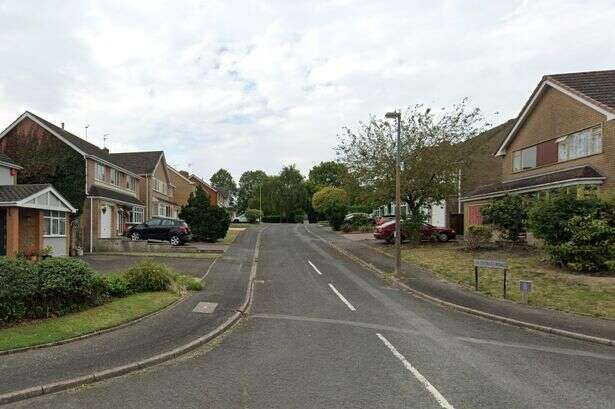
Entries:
{"x":258,"y":84}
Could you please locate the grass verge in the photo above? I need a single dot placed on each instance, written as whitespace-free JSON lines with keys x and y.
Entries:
{"x":231,"y":235}
{"x":113,"y":313}
{"x":553,"y":287}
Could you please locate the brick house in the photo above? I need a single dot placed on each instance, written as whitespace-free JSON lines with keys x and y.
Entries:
{"x":564,"y":138}
{"x":108,"y":193}
{"x":32,"y":216}
{"x":156,"y":187}
{"x":211,"y":192}
{"x":183,"y":185}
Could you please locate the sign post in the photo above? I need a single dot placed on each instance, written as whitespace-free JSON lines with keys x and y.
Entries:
{"x":496,"y":264}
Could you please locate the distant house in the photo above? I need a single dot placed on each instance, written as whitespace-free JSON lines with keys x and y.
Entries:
{"x":183,"y":186}
{"x":563,"y":139}
{"x":214,"y":195}
{"x":32,"y":216}
{"x":106,"y":194}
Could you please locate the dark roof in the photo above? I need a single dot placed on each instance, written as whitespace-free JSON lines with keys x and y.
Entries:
{"x":81,"y":144}
{"x":15,"y":193}
{"x":553,"y":177}
{"x":5,"y":159}
{"x":597,"y":85}
{"x":494,"y":136}
{"x":113,"y":195}
{"x":140,"y":163}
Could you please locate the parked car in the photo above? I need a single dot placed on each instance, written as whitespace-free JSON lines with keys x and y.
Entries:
{"x":386,"y":231}
{"x":383,"y":219}
{"x":174,"y":231}
{"x":240,"y":219}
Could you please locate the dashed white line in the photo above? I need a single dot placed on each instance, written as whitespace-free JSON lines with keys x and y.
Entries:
{"x":314,"y":267}
{"x":430,"y":388}
{"x":350,"y":306}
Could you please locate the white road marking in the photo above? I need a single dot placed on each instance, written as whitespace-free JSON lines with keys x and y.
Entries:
{"x":314,"y":267}
{"x":350,"y":306}
{"x":430,"y":388}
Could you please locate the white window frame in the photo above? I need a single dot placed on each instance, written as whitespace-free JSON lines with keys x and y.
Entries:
{"x":131,"y":183}
{"x":159,"y":186}
{"x":97,"y":172}
{"x":137,"y":215}
{"x":518,"y":159}
{"x":56,"y":219}
{"x":115,"y":177}
{"x":580,"y":144}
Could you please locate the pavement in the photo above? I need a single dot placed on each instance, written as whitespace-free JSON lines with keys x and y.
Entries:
{"x":325,"y":332}
{"x":110,"y":263}
{"x":425,"y":282}
{"x":226,"y":285}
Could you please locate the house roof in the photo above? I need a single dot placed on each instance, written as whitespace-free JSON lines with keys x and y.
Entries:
{"x":202,"y":182}
{"x":16,"y":193}
{"x":595,"y":89}
{"x":80,"y":145}
{"x":113,"y":195}
{"x":141,"y":163}
{"x":30,"y":196}
{"x":581,"y":173}
{"x":5,"y":160}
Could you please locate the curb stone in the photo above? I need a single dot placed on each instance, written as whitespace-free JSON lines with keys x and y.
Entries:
{"x":154,"y":360}
{"x":483,"y":314}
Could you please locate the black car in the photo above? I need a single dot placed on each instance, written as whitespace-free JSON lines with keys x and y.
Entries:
{"x":174,"y":231}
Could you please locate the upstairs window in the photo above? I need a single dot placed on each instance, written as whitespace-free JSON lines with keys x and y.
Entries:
{"x":524,"y":159}
{"x":159,"y":186}
{"x":100,"y":172}
{"x":130,"y":183}
{"x":579,"y":144}
{"x":115,"y":177}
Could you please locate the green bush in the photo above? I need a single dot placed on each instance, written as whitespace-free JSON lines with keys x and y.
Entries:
{"x":273,"y":218}
{"x":347,"y":227}
{"x":117,"y":285}
{"x":17,"y":284}
{"x":149,"y":276}
{"x":189,"y":283}
{"x":591,"y":247}
{"x":253,"y":215}
{"x":411,"y":229}
{"x":507,"y":214}
{"x":476,"y":236}
{"x":207,"y":222}
{"x":333,"y":203}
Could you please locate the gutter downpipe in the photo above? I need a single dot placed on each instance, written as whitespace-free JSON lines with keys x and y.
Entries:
{"x":91,"y":220}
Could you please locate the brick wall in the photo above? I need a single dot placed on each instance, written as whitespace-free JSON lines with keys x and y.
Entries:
{"x":183,"y":188}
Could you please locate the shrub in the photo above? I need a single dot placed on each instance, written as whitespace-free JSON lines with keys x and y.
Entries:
{"x":507,"y":214}
{"x":149,"y":276}
{"x":189,"y":283}
{"x":347,"y":227}
{"x":117,"y":285}
{"x":206,"y":221}
{"x":591,"y":247}
{"x":332,"y":202}
{"x":16,"y":286}
{"x":476,"y":236}
{"x":253,"y":215}
{"x":274,"y":218}
{"x":62,"y":284}
{"x":411,"y":228}
{"x":366,"y":228}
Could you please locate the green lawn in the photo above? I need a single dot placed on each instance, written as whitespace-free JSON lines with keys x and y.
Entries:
{"x":104,"y":316}
{"x":231,"y":235}
{"x":553,"y":287}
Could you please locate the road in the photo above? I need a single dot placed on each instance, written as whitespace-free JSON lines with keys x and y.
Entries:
{"x":325,"y":333}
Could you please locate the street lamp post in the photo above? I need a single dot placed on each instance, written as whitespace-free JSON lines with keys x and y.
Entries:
{"x":397,"y":116}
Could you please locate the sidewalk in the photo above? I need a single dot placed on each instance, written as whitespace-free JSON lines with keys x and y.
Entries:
{"x":227,"y":283}
{"x":425,"y":282}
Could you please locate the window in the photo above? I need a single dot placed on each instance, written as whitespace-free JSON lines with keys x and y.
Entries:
{"x":55,"y":223}
{"x":164,"y":210}
{"x":136,"y":215}
{"x":115,"y":177}
{"x":524,"y":159}
{"x":584,"y":143}
{"x":130,"y":183}
{"x":159,"y":186}
{"x":100,"y":172}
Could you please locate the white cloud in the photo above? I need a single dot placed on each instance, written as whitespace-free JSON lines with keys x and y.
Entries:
{"x":246,"y":85}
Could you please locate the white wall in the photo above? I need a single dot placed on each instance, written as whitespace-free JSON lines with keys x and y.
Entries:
{"x":5,"y":176}
{"x":58,"y":244}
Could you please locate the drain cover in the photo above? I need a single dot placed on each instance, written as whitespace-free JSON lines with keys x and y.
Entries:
{"x":205,"y":307}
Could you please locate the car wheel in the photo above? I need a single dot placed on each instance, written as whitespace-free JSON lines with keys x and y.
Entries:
{"x":175,"y":241}
{"x":443,"y":237}
{"x":135,"y":236}
{"x":390,"y":239}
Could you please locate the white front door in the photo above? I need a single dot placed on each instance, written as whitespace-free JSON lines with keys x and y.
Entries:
{"x":105,"y":222}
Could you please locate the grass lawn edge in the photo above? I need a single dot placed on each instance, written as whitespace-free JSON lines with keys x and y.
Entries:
{"x":61,"y":335}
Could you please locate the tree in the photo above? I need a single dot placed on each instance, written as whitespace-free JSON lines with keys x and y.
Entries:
{"x":508,"y":214}
{"x":223,"y":182}
{"x":208,"y":222}
{"x":328,"y":173}
{"x":249,"y":184}
{"x":430,"y":151}
{"x":332,"y":202}
{"x":292,"y":195}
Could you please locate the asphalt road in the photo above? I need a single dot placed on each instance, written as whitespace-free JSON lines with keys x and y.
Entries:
{"x":325,"y":333}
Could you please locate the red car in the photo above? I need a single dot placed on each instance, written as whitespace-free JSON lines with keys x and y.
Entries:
{"x":386,"y":231}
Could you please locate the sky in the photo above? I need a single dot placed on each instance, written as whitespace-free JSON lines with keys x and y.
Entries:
{"x":245,"y":85}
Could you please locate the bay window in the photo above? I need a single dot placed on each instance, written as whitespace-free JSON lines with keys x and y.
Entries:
{"x":136,"y":215}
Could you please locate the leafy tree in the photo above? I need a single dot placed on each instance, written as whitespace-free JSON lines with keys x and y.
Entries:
{"x":292,"y":195}
{"x":270,"y":195}
{"x":206,"y":221}
{"x":430,"y":151}
{"x":253,"y":215}
{"x":249,"y":184}
{"x":223,"y":182}
{"x":508,"y":214}
{"x":332,"y":202}
{"x":328,"y":173}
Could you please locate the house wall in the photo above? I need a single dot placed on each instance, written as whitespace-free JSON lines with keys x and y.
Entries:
{"x":30,"y":230}
{"x":5,"y":176}
{"x":183,"y":188}
{"x":555,"y":115}
{"x":162,"y":173}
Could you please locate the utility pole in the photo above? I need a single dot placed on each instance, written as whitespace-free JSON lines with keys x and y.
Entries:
{"x":397,"y":115}
{"x":260,"y":201}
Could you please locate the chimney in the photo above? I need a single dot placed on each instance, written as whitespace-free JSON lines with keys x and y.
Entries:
{"x":62,"y":125}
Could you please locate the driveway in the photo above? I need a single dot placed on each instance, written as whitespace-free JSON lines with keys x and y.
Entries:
{"x":105,"y":264}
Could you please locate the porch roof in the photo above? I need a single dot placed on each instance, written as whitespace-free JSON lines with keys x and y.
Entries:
{"x":35,"y":196}
{"x":114,"y":196}
{"x":566,"y":177}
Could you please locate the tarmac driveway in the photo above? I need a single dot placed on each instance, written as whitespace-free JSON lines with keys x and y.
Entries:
{"x":105,"y":264}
